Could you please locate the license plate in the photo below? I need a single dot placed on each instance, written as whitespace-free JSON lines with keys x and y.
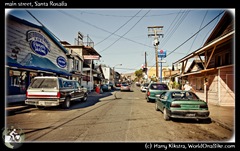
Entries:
{"x":41,"y":103}
{"x":190,"y":115}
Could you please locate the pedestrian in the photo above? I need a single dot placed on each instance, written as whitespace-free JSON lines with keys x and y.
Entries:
{"x":188,"y":87}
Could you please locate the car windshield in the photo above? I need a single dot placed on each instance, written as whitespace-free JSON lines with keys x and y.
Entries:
{"x":184,"y":95}
{"x":159,"y":87}
{"x":44,"y":83}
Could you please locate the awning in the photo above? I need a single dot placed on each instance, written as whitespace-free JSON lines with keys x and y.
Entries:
{"x":32,"y":61}
{"x":13,"y":63}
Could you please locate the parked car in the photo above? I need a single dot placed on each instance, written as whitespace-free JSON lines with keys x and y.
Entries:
{"x":125,"y":87}
{"x":47,"y":91}
{"x":144,"y":87}
{"x":181,"y":104}
{"x":106,"y":87}
{"x":155,"y":88}
{"x":118,"y":84}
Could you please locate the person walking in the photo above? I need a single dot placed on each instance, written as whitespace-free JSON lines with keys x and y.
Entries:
{"x":188,"y":87}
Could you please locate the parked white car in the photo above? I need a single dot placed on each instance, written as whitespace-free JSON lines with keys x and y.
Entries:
{"x":144,"y":87}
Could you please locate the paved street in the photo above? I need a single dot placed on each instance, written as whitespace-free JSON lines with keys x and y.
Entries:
{"x":112,"y":117}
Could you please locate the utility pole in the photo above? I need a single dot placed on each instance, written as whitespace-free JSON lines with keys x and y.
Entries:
{"x":146,"y":62}
{"x":153,"y":32}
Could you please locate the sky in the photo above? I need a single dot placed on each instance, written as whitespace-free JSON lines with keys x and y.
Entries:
{"x":120,"y":36}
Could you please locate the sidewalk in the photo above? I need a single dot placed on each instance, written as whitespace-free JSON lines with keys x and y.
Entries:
{"x":222,"y":115}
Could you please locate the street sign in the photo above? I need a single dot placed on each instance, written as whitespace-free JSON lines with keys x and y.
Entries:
{"x":162,"y":53}
{"x":161,"y":61}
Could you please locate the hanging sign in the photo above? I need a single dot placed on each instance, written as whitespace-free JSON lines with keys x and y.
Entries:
{"x":38,"y":43}
{"x":162,"y":53}
{"x":61,"y":61}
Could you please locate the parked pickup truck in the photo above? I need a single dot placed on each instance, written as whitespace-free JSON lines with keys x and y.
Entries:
{"x":48,"y":91}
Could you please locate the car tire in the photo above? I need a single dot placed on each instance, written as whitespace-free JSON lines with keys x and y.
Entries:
{"x":84,"y":99}
{"x":66,"y":103}
{"x":156,"y":107}
{"x":165,"y":116}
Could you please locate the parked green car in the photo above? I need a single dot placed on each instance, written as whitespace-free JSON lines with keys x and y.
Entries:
{"x":181,"y":104}
{"x":153,"y":89}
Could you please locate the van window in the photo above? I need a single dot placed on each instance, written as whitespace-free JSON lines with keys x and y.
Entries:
{"x":60,"y":83}
{"x":43,"y":83}
{"x":67,"y":84}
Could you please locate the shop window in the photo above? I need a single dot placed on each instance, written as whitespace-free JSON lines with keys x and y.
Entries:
{"x":17,"y":82}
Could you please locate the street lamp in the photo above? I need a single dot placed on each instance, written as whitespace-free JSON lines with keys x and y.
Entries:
{"x":114,"y":72}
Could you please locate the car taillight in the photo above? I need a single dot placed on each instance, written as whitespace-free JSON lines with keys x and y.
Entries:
{"x":27,"y":94}
{"x":174,"y":105}
{"x":58,"y":95}
{"x":148,"y":93}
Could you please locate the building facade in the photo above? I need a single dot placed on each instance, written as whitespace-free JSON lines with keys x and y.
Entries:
{"x":30,"y":51}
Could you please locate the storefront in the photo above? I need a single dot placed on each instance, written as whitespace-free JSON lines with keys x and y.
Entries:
{"x":31,"y":50}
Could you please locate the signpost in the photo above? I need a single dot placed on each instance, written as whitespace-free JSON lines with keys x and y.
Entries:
{"x":161,"y":54}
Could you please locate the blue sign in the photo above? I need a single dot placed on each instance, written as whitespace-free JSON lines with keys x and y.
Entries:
{"x":162,"y":53}
{"x":38,"y":43}
{"x":61,"y":61}
{"x":39,"y":48}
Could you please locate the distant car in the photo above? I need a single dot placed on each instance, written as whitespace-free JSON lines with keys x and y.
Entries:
{"x":144,"y":87}
{"x":125,"y":87}
{"x":106,"y":87}
{"x":118,"y":84}
{"x":111,"y":85}
{"x":155,"y":88}
{"x":181,"y":104}
{"x":138,"y":84}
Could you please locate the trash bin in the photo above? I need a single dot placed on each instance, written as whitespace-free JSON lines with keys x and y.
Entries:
{"x":97,"y":89}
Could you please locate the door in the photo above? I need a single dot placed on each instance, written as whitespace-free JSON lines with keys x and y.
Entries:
{"x":78,"y":91}
{"x":162,"y":102}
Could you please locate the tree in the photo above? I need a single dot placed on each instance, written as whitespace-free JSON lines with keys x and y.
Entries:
{"x":139,"y":74}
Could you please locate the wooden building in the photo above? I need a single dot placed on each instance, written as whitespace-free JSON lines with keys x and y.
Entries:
{"x":212,"y":71}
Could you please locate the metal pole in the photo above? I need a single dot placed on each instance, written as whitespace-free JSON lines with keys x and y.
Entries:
{"x":161,"y":71}
{"x":156,"y":57}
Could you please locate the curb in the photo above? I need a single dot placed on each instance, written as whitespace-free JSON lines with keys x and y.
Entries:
{"x":222,"y":124}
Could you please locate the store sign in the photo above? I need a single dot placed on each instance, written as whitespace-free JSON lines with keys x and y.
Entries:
{"x":61,"y":61}
{"x":38,"y":43}
{"x":91,"y":57}
{"x":162,"y":53}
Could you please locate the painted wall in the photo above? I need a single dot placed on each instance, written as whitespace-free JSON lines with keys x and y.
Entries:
{"x":18,"y":46}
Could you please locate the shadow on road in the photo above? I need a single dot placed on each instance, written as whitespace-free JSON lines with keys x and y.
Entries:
{"x":193,"y":121}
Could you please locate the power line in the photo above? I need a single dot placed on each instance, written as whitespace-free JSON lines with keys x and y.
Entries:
{"x":107,"y":15}
{"x":195,"y":34}
{"x":118,"y":28}
{"x":42,"y":24}
{"x":126,"y":32}
{"x":78,"y":19}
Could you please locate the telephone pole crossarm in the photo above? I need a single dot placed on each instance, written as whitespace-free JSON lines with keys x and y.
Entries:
{"x":153,"y":31}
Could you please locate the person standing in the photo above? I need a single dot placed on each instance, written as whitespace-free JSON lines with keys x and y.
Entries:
{"x":188,"y":87}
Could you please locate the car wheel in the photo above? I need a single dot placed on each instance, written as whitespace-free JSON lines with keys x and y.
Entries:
{"x":156,"y":107}
{"x":84,"y":99}
{"x":66,"y":103}
{"x":165,"y":116}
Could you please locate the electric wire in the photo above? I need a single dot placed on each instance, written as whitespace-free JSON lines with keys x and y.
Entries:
{"x":126,"y":32}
